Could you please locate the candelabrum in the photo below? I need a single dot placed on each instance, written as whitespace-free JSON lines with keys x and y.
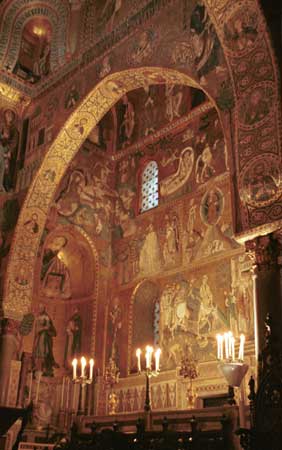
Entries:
{"x":149,"y":371}
{"x":111,"y":378}
{"x":83,"y":380}
{"x":189,"y":369}
{"x":233,"y":370}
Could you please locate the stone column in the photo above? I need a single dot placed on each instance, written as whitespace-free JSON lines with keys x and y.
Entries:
{"x":9,"y":346}
{"x":266,"y":255}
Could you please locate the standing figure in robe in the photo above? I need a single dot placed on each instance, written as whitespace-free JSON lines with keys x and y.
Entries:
{"x":150,"y":258}
{"x":10,"y":141}
{"x":128,"y":123}
{"x":171,"y":244}
{"x":42,"y":354}
{"x":73,"y":338}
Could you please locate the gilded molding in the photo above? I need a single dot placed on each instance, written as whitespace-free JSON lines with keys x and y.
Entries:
{"x":13,"y":95}
{"x":262,"y":230}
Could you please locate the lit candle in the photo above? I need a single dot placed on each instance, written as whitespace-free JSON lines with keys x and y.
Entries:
{"x":62,"y":393}
{"x":74,"y":367}
{"x":91,"y":363}
{"x":147,"y":357}
{"x":230,"y":336}
{"x":226,"y":339}
{"x":221,"y":347}
{"x":74,"y":388}
{"x":138,"y":355}
{"x":241,"y":348}
{"x":83,"y":365}
{"x":149,"y":351}
{"x":157,"y":359}
{"x":233,"y":348}
{"x":68,"y":394}
{"x":218,"y":339}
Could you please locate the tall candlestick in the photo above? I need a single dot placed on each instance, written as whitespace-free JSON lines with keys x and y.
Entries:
{"x":157,"y":359}
{"x":149,"y":372}
{"x":68,"y":393}
{"x":74,"y":397}
{"x":83,"y":365}
{"x":30,"y":387}
{"x":241,"y":348}
{"x":62,"y":393}
{"x":74,"y":366}
{"x":38,"y":384}
{"x":138,"y":355}
{"x":91,"y":364}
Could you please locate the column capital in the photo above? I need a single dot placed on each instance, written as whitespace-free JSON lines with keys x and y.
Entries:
{"x":265,"y":251}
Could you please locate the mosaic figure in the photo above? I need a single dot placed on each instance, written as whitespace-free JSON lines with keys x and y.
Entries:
{"x":9,"y":140}
{"x":173,"y":101}
{"x":171,"y":244}
{"x":73,"y":337}
{"x":55,"y":275}
{"x":173,"y":182}
{"x":42,"y":354}
{"x":150,"y":258}
{"x":204,"y":40}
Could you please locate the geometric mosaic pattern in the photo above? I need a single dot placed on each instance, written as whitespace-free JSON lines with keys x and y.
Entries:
{"x":150,"y":186}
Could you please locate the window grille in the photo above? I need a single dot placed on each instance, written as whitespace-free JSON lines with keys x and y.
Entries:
{"x":150,"y":187}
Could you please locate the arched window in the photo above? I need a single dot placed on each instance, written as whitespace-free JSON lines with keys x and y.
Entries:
{"x":149,"y":187}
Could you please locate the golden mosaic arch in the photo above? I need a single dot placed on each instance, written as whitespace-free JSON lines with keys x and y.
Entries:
{"x":18,"y":295}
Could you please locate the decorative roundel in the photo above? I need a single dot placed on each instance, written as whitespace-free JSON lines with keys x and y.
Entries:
{"x":260,"y":182}
{"x":242,"y":30}
{"x":212,"y":206}
{"x":256,"y":105}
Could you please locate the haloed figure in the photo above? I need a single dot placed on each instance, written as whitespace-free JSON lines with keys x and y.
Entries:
{"x":43,"y":358}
